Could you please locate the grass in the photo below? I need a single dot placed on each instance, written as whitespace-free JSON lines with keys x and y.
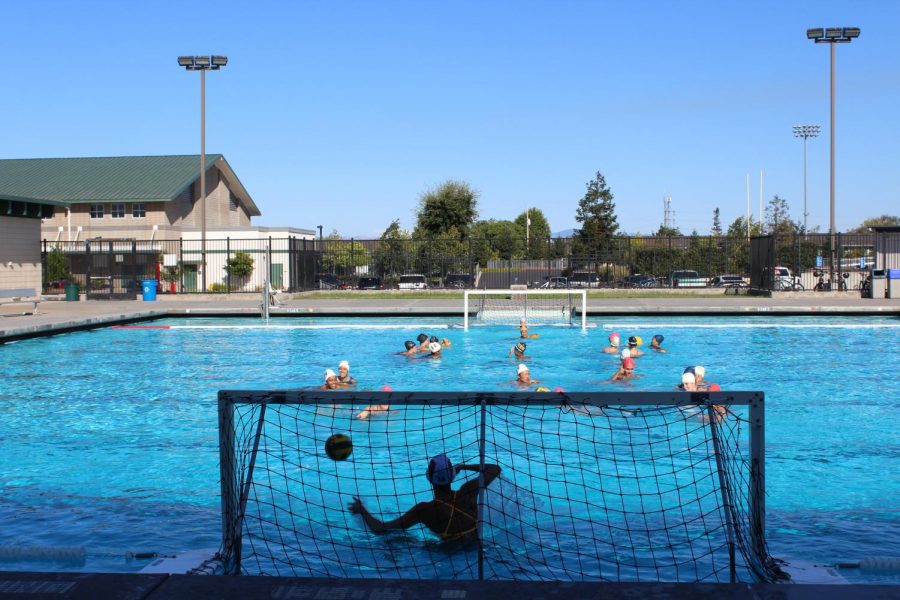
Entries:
{"x":458,"y":295}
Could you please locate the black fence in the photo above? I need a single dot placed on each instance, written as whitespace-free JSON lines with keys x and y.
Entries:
{"x":115,"y":268}
{"x":812,"y":262}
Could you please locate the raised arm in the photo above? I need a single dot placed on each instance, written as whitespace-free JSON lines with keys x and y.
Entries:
{"x":412,"y":517}
{"x":491,"y":472}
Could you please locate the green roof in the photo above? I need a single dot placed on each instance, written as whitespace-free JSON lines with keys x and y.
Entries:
{"x":108,"y":179}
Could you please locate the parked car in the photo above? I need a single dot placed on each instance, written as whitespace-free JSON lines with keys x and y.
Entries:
{"x":555,"y":283}
{"x":330,"y":281}
{"x":413,"y":281}
{"x":460,"y":281}
{"x":728,"y":281}
{"x":780,"y":278}
{"x":584,"y":279}
{"x":686,"y":279}
{"x":638,"y":281}
{"x":370,"y":283}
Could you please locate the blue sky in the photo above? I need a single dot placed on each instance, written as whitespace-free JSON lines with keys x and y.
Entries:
{"x":342,"y":113}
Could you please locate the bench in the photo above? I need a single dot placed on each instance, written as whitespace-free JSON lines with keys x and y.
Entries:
{"x":19,"y":300}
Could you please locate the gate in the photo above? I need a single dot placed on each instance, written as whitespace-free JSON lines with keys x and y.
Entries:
{"x":115,"y":268}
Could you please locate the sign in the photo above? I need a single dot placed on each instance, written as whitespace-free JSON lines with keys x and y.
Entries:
{"x":862,"y":262}
{"x":819,"y":262}
{"x":170,"y":260}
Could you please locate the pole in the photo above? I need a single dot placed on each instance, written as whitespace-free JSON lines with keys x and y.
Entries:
{"x":805,"y":213}
{"x":748,"y":207}
{"x":760,"y":196}
{"x":831,"y":268}
{"x":203,"y":178}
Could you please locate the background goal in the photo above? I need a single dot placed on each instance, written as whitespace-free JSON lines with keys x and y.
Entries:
{"x":537,"y":307}
{"x":651,"y":486}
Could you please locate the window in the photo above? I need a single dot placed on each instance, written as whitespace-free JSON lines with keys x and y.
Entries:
{"x":139,"y":210}
{"x":96,"y":211}
{"x":117,"y":211}
{"x":232,"y":202}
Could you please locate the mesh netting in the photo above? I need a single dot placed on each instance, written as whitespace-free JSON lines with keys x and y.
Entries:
{"x":589,"y":489}
{"x":508,"y":307}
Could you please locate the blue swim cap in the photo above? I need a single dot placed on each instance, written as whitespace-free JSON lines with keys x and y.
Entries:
{"x":440,"y":470}
{"x":688,"y":370}
{"x":658,"y":338}
{"x":422,"y":337}
{"x":409,"y":344}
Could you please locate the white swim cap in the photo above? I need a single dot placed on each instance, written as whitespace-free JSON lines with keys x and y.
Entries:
{"x":344,"y":363}
{"x":626,"y":353}
{"x":688,"y":378}
{"x":521,"y":368}
{"x":329,"y":374}
{"x":699,"y":371}
{"x":434,"y":347}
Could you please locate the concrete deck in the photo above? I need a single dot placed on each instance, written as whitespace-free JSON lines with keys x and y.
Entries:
{"x":59,"y":317}
{"x":94,"y":586}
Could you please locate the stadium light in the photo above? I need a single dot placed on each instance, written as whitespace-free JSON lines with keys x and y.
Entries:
{"x":202,"y":64}
{"x":805,"y":132}
{"x":832,"y":36}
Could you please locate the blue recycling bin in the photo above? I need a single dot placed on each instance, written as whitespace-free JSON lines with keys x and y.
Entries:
{"x":148,"y":290}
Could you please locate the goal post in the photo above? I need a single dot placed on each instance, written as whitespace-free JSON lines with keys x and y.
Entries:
{"x":537,"y":307}
{"x":634,"y":486}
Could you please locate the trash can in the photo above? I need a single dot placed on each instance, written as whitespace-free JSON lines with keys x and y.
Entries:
{"x":71,"y":292}
{"x":878,"y":286}
{"x":893,"y":283}
{"x":148,"y":290}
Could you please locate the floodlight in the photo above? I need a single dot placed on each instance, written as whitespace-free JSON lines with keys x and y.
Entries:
{"x":186,"y":61}
{"x":219,"y":61}
{"x":833,"y":33}
{"x":815,"y":33}
{"x":851,"y":32}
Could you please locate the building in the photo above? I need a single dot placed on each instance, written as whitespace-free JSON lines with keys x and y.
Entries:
{"x":20,"y":242}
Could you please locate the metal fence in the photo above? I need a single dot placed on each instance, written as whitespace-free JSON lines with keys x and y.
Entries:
{"x":806,"y":262}
{"x":115,"y":268}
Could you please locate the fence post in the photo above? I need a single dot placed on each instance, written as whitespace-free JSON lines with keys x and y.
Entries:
{"x":90,"y":261}
{"x":181,"y":265}
{"x":227,"y":258}
{"x":269,"y":260}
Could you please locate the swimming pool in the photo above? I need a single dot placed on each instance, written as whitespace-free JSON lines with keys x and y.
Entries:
{"x":109,"y":437}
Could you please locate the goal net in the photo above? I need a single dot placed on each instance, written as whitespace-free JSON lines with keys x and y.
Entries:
{"x":537,"y":307}
{"x":608,"y":487}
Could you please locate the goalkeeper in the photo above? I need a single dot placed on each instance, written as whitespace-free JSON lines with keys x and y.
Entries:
{"x":452,"y":515}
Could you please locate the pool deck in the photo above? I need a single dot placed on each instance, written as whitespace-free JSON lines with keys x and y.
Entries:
{"x":166,"y":587}
{"x":60,"y":317}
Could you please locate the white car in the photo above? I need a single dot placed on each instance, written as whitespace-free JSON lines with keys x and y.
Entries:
{"x":413,"y":282}
{"x":781,"y":278}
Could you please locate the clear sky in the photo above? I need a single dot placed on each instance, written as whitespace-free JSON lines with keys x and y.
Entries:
{"x":341,"y":113}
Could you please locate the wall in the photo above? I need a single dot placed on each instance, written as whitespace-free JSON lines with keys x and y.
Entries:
{"x":20,"y":254}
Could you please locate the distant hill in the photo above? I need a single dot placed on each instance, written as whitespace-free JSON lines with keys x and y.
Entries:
{"x":564,"y":233}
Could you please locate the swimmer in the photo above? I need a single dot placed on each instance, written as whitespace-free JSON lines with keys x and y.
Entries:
{"x":519,"y":351}
{"x":434,"y":349}
{"x":375,"y":408}
{"x":688,"y":382}
{"x":331,"y":381}
{"x":523,"y":377}
{"x":720,"y":411}
{"x":613,"y":347}
{"x":452,"y":515}
{"x":523,"y":331}
{"x":446,"y":343}
{"x":699,"y":374}
{"x":411,"y":348}
{"x":344,"y":374}
{"x":626,"y":371}
{"x":633,"y":346}
{"x":656,"y":343}
{"x":422,"y":338}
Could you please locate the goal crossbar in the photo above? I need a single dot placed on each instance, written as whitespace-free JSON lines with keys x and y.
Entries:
{"x":520,"y":298}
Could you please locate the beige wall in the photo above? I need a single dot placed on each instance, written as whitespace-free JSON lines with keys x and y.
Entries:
{"x":169,"y":217}
{"x":20,"y":254}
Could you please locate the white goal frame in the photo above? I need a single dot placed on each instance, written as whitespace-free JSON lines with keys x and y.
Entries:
{"x":558,"y":292}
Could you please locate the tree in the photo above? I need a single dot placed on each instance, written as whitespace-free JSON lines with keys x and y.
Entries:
{"x":392,"y":256}
{"x":453,"y":204}
{"x":882,"y":221}
{"x":56,"y":266}
{"x":537,"y":234}
{"x":597,"y":211}
{"x":778,"y":218}
{"x":664,"y":231}
{"x":493,"y":239}
{"x":717,"y":224}
{"x":341,"y":256}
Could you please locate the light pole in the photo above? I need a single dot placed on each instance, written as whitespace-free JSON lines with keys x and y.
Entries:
{"x":805,"y":132}
{"x":202,"y":64}
{"x":832,"y":36}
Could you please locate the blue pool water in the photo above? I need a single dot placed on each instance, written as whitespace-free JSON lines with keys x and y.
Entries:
{"x":109,"y":437}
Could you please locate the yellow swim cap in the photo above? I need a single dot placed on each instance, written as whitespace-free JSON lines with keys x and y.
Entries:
{"x":542,"y":389}
{"x":640,"y":340}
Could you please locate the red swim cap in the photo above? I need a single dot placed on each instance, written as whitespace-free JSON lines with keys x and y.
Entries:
{"x":628,"y":363}
{"x":387,"y":388}
{"x":714,"y":388}
{"x":558,"y":390}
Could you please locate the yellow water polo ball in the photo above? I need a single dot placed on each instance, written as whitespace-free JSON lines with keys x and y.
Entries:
{"x":338,"y":447}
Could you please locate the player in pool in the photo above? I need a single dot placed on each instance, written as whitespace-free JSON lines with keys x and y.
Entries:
{"x":411,"y":348}
{"x":523,"y":331}
{"x":344,"y":374}
{"x":613,"y":347}
{"x":422,"y":338}
{"x":331,"y":381}
{"x":633,"y":343}
{"x":519,"y":351}
{"x":523,"y":377}
{"x":656,"y":343}
{"x":452,"y":514}
{"x":626,"y":371}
